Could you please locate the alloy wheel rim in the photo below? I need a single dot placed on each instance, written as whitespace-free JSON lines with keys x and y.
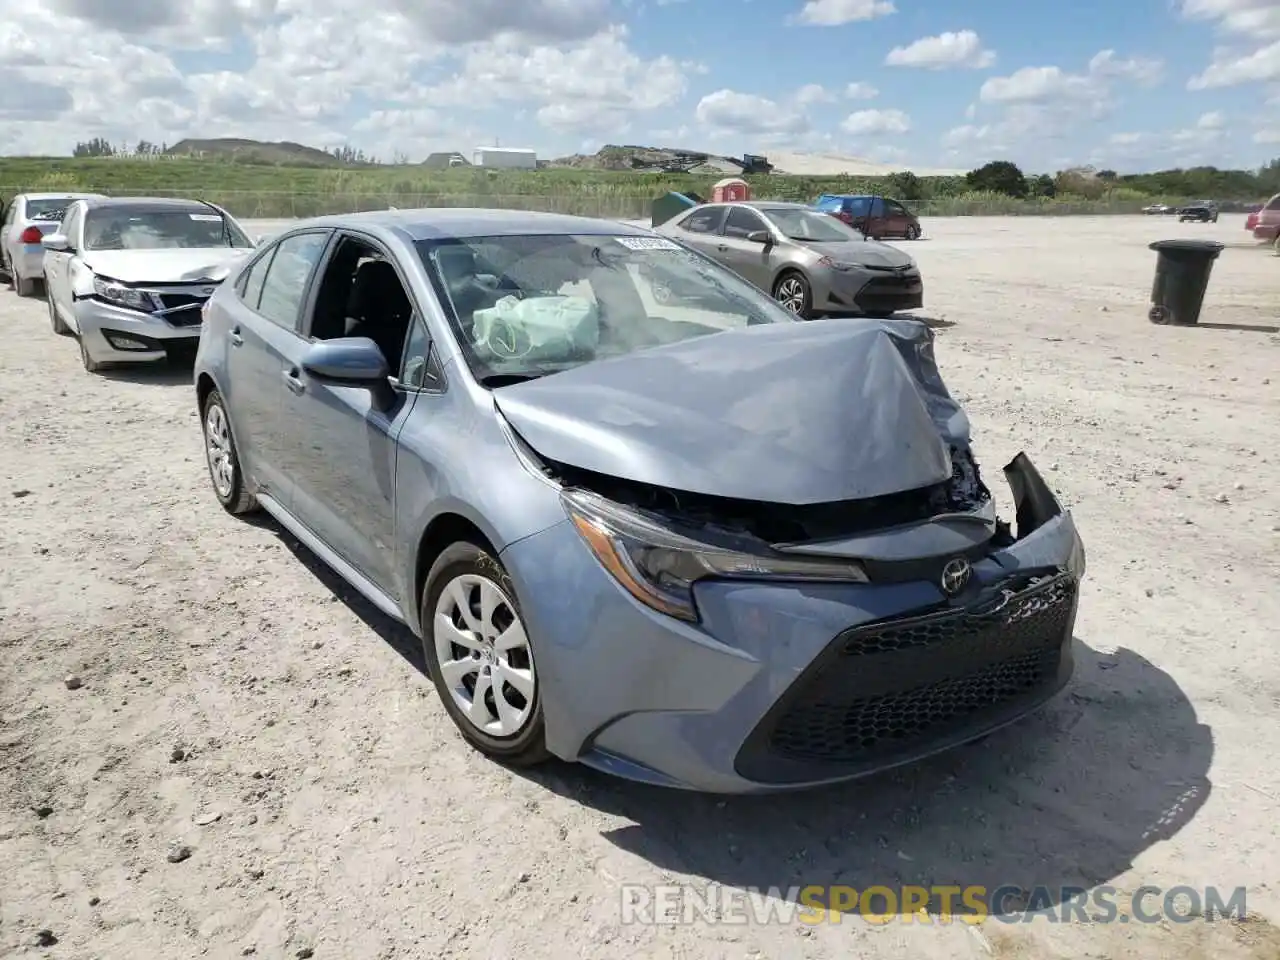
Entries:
{"x":791,"y":295}
{"x":217,"y":444}
{"x":484,"y":655}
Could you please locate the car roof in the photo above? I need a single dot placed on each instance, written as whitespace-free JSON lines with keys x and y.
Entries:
{"x":442,"y":223}
{"x":69,"y":195}
{"x":144,"y":203}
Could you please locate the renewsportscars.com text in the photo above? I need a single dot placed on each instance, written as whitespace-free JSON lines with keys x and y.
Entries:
{"x":668,"y":904}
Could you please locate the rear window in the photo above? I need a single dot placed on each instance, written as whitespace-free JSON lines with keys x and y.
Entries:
{"x":1273,"y":203}
{"x":47,"y":208}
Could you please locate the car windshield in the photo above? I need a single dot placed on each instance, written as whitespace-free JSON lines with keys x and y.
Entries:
{"x":137,"y":229}
{"x":525,"y":306}
{"x":47,"y":208}
{"x":797,"y":223}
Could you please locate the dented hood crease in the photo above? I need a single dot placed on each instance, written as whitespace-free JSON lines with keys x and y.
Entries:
{"x":791,"y":413}
{"x":165,"y":265}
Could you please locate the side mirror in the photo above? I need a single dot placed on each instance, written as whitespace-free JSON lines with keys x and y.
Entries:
{"x":58,"y":242}
{"x":347,"y":361}
{"x":260,"y":239}
{"x":760,"y":236}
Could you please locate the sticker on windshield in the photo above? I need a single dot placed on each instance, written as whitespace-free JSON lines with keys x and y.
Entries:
{"x":647,"y":243}
{"x":207,"y":217}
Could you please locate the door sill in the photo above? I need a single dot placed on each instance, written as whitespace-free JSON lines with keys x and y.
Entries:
{"x":366,"y":587}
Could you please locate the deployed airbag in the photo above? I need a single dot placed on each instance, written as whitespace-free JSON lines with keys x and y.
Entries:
{"x":537,"y":329}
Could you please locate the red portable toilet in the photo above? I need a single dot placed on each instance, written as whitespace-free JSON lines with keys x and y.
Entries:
{"x":729,"y":189}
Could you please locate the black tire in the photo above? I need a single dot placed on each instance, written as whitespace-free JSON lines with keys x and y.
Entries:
{"x":55,"y":321}
{"x":236,"y":499}
{"x":25,"y":286}
{"x":528,"y":745}
{"x":913,"y":231}
{"x":90,"y":364}
{"x":792,"y":290}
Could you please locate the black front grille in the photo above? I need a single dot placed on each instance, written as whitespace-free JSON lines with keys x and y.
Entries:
{"x":889,"y":293}
{"x":185,"y":307}
{"x":890,"y":691}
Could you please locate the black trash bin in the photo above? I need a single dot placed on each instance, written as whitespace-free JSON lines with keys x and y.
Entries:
{"x":1182,"y":276}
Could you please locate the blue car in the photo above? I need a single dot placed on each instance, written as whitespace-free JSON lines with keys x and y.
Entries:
{"x":686,"y":540}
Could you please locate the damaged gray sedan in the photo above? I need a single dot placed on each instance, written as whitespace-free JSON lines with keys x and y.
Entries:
{"x":712,"y":548}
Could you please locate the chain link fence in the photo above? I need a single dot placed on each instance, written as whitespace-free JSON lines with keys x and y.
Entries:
{"x":262,"y":205}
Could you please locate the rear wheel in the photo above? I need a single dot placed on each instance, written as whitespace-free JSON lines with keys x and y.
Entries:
{"x":480,"y":657}
{"x":26,"y":286}
{"x":792,"y":291}
{"x":224,"y":461}
{"x":913,"y":231}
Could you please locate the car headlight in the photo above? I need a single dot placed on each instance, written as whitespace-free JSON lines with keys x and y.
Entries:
{"x":123,"y":296}
{"x":659,"y":566}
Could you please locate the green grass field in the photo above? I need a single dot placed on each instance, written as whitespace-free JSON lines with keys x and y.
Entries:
{"x":249,"y":190}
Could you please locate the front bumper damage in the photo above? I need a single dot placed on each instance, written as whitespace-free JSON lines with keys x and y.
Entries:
{"x":784,"y":685}
{"x":113,"y":334}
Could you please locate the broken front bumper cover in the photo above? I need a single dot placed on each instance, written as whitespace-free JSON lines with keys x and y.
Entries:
{"x":651,"y":698}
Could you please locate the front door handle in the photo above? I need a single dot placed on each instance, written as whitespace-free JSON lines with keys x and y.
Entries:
{"x":293,"y":381}
{"x":235,"y":338}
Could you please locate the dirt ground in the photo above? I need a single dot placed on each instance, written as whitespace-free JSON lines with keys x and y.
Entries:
{"x":240,"y":712}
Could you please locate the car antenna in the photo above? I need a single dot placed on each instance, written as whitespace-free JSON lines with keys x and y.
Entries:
{"x":222,"y":219}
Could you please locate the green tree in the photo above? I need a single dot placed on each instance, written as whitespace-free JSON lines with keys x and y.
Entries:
{"x":1043,"y":186}
{"x":905,"y":185}
{"x":97,"y":147}
{"x":998,"y":176}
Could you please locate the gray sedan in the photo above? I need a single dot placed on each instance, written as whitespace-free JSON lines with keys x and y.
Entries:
{"x":699,"y":546}
{"x":811,"y":262}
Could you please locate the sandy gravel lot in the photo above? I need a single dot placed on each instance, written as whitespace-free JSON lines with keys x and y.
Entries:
{"x":236,"y":699}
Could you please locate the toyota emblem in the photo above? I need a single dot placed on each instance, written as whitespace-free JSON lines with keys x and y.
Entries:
{"x":955,"y":576}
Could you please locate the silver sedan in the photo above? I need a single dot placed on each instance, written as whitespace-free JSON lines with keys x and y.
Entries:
{"x":811,"y":263}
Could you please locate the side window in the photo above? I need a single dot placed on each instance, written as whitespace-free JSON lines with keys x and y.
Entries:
{"x":250,"y":285}
{"x":895,"y":209}
{"x":285,"y":282}
{"x":69,"y":222}
{"x":858,"y":206}
{"x":421,"y":363}
{"x":1273,"y":203}
{"x":703,"y":221}
{"x":877,"y":207}
{"x":742,"y":221}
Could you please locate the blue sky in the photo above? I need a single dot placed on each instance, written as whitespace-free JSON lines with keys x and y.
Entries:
{"x":1136,"y":85}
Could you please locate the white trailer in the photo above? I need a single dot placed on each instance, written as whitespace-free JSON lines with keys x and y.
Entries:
{"x":509,"y":158}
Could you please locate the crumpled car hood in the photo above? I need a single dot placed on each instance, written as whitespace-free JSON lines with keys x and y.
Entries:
{"x":178,"y":265}
{"x":790,"y":413}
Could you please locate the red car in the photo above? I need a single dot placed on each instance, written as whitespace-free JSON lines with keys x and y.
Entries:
{"x":1267,"y":226}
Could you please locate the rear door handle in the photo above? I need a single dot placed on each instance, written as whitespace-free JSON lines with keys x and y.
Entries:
{"x":235,"y":338}
{"x":293,"y":381}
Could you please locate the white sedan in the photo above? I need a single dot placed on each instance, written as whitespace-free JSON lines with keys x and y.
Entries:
{"x":128,"y":276}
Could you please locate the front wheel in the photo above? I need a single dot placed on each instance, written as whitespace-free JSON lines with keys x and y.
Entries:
{"x":792,"y":291}
{"x":91,"y":365}
{"x":55,"y":321}
{"x":913,"y":231}
{"x":223,"y":459}
{"x":480,"y":657}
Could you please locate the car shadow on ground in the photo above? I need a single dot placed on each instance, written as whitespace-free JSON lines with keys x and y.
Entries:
{"x":394,"y":633}
{"x":166,"y":373}
{"x":1066,"y":798}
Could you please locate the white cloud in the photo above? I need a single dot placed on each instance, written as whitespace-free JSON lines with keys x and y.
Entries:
{"x":1231,"y":68}
{"x":733,"y":112}
{"x":1249,"y":18}
{"x":860,"y":90}
{"x":1271,"y":135}
{"x":876,"y":122}
{"x":833,"y":13}
{"x":1214,"y":120}
{"x":1144,"y":70}
{"x":1038,"y":85}
{"x":963,"y":49}
{"x":812,"y":93}
{"x":1126,"y":139}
